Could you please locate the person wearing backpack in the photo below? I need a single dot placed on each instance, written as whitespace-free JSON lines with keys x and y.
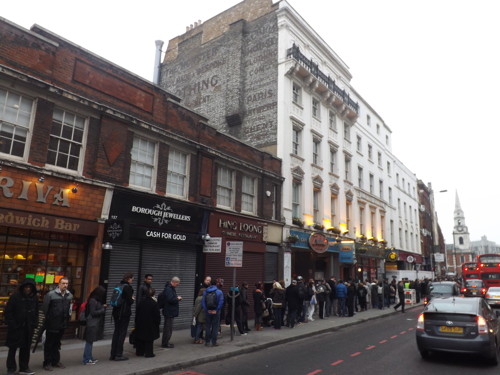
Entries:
{"x":94,"y":314}
{"x":121,"y":301}
{"x":212,"y":302}
{"x":170,"y":304}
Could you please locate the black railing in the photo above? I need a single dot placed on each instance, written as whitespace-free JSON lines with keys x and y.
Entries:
{"x":295,"y":53}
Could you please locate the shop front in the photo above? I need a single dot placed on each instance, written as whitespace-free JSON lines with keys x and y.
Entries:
{"x":48,"y":230}
{"x":149,"y":234}
{"x":317,"y":256}
{"x":252,"y":233}
{"x":369,"y":261}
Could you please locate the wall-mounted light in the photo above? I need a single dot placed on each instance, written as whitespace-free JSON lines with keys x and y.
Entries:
{"x":74,"y":190}
{"x":268,"y":193}
{"x":206,"y":237}
{"x":41,"y":179}
{"x":107,"y":246}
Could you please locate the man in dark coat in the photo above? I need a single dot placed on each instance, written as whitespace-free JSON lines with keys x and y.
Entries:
{"x":147,"y":325}
{"x":121,"y":317}
{"x":401,"y":295}
{"x":170,"y":310}
{"x":244,"y":306}
{"x":143,"y":291}
{"x":57,"y":311}
{"x":21,"y":316}
{"x":292,"y":303}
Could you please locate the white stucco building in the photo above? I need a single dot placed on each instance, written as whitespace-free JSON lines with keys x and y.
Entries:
{"x":281,"y":88}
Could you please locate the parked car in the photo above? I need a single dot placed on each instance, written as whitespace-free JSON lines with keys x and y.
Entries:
{"x":473,"y":288}
{"x":458,"y":324}
{"x":441,"y":289}
{"x":493,"y":296}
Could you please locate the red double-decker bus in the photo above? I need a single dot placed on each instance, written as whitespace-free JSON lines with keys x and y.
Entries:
{"x":470,"y":271}
{"x":489,"y":269}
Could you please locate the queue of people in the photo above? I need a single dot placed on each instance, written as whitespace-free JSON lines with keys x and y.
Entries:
{"x":298,"y":303}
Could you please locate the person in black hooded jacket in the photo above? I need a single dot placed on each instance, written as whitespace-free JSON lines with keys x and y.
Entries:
{"x":21,"y":316}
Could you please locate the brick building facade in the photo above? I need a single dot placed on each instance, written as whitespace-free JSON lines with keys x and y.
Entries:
{"x":92,"y":153}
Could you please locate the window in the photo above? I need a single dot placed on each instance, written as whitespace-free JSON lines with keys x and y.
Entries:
{"x":143,"y":162}
{"x":316,"y":151}
{"x":348,"y":207}
{"x":370,"y":152}
{"x":400,"y":234}
{"x":373,"y":224}
{"x":388,"y":168}
{"x":382,"y":226}
{"x":333,"y":210}
{"x":332,"y":121}
{"x":347,"y":167}
{"x":404,"y":207}
{"x":248,"y":195}
{"x":372,"y":188}
{"x":297,"y":94}
{"x":177,"y":173}
{"x":411,"y":214}
{"x":358,"y":144}
{"x":397,"y":179}
{"x":378,"y":129}
{"x":15,"y":119}
{"x":387,"y":140}
{"x":66,"y":140}
{"x":390,"y":195}
{"x":316,"y":108}
{"x":381,"y":189}
{"x":368,"y":120}
{"x":316,"y":207}
{"x":391,"y":229}
{"x":225,"y":187}
{"x":333,"y":160}
{"x":296,"y":141}
{"x":296,"y":187}
{"x":403,"y":183}
{"x":362,"y":220}
{"x":347,"y":132}
{"x":399,"y":207}
{"x":379,"y":159}
{"x":360,"y":177}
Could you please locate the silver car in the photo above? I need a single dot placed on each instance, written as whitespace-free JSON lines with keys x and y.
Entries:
{"x":458,"y":324}
{"x":493,"y":296}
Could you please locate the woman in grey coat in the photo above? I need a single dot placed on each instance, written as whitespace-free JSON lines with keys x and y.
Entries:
{"x":94,"y":313}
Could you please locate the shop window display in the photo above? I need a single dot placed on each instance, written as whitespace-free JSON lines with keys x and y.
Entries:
{"x":43,"y":256}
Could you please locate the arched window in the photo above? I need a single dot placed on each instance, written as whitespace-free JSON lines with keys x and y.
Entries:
{"x":461,"y":240}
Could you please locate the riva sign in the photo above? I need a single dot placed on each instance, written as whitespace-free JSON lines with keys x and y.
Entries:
{"x":41,"y":193}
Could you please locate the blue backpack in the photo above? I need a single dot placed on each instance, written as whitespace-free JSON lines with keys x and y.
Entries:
{"x":116,"y":299}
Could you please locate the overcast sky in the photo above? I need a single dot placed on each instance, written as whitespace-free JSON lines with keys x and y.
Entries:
{"x":430,"y":68}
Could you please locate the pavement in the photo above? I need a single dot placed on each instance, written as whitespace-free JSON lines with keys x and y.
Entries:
{"x":186,"y":354}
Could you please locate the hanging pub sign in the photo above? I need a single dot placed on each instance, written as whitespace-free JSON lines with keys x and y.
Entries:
{"x":318,"y":242}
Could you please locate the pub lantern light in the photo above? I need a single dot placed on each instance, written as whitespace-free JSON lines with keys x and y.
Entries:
{"x":41,"y":179}
{"x":107,"y":246}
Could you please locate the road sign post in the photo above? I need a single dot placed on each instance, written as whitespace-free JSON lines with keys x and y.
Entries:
{"x":234,"y":259}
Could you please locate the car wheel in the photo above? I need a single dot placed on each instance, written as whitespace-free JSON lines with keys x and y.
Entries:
{"x":493,"y":358}
{"x":425,"y":354}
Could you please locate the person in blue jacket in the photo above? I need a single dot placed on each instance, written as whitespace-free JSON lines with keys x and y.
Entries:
{"x":212,"y":307}
{"x":341,"y":291}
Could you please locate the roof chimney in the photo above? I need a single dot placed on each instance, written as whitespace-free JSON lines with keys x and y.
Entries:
{"x":156,"y":71}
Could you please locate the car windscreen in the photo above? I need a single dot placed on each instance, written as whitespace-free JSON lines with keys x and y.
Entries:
{"x":441,"y":288}
{"x":474,"y":283}
{"x":452,"y":307}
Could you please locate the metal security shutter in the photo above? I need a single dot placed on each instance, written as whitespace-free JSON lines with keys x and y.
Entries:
{"x":123,"y":258}
{"x":271,"y":269}
{"x":165,"y":261}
